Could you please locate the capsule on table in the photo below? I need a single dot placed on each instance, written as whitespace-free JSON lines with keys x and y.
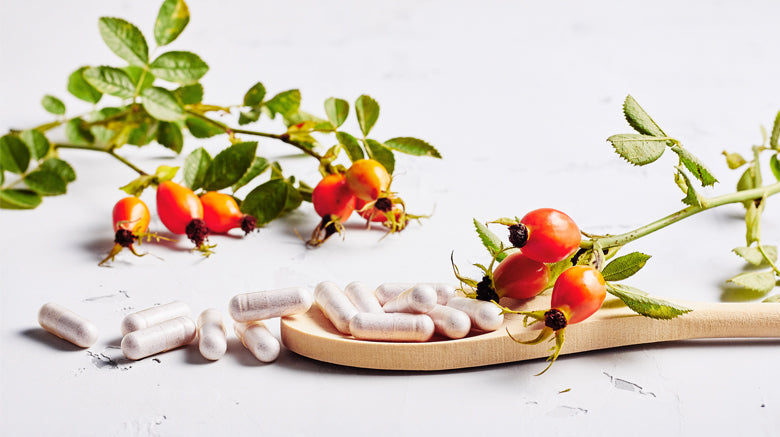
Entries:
{"x":450,"y":322}
{"x":391,"y":327}
{"x":154,"y":315}
{"x":419,"y":299}
{"x":258,"y":339}
{"x":212,"y":336}
{"x":158,"y":338}
{"x":67,"y":325}
{"x":363,"y":297}
{"x":335,"y":305}
{"x":390,"y":290}
{"x":484,"y":315}
{"x":263,"y":305}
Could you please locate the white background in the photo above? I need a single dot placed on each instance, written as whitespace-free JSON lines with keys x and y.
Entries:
{"x":518,"y":97}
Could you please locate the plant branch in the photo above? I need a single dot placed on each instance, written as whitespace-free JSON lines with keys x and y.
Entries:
{"x":98,"y":149}
{"x":768,"y":259}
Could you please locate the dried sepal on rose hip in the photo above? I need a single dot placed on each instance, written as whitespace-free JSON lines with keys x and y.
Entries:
{"x":130,"y":218}
{"x":545,"y":235}
{"x":334,"y":202}
{"x":221,"y":214}
{"x":181,"y":212}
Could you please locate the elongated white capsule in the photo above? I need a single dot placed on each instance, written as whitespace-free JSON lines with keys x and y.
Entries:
{"x":212,"y":336}
{"x":484,"y":315}
{"x":390,"y":290}
{"x":258,"y":339}
{"x":450,"y":322}
{"x":363,"y":297}
{"x":154,"y":315}
{"x":419,"y":299}
{"x":335,"y":305}
{"x":158,"y":338}
{"x":263,"y":305}
{"x":391,"y":327}
{"x":67,"y":325}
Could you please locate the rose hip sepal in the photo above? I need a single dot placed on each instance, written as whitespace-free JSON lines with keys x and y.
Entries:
{"x":334,"y":202}
{"x":131,"y":222}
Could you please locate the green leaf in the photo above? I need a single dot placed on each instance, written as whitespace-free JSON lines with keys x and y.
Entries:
{"x":169,"y":135}
{"x":305,"y":191}
{"x":773,"y":139}
{"x":638,"y":149}
{"x":259,"y":165}
{"x":37,"y":143}
{"x":412,"y":146}
{"x":81,"y":89}
{"x":490,"y":240}
{"x":245,"y":118}
{"x":759,"y":282}
{"x":367,"y":110}
{"x":111,"y":81}
{"x":267,"y":201}
{"x":645,"y":305}
{"x":125,"y":40}
{"x":14,"y":154}
{"x":772,"y":299}
{"x":53,"y":105}
{"x":19,"y":199}
{"x":171,"y":21}
{"x":556,"y":269}
{"x":162,"y":104}
{"x":691,"y":198}
{"x":351,"y":145}
{"x":696,"y":167}
{"x":639,"y":119}
{"x":774,"y":164}
{"x":78,"y":134}
{"x":753,"y":222}
{"x":734,"y":160}
{"x":337,"y":111}
{"x":45,"y":183}
{"x":276,"y":170}
{"x":60,"y":167}
{"x":624,"y":266}
{"x":137,"y":186}
{"x":144,"y":133}
{"x":285,"y":103}
{"x":294,"y":197}
{"x":202,"y":129}
{"x":753,"y":256}
{"x":189,"y":94}
{"x":136,"y":74}
{"x":180,"y":67}
{"x":378,"y":152}
{"x":255,"y":95}
{"x":165,"y":173}
{"x":195,"y":166}
{"x":229,"y":166}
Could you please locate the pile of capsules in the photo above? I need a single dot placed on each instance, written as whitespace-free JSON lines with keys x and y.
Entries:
{"x":391,"y":312}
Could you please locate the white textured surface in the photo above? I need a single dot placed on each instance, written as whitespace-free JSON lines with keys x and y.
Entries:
{"x":518,"y":96}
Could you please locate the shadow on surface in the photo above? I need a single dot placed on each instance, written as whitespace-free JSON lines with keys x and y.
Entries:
{"x":43,"y":337}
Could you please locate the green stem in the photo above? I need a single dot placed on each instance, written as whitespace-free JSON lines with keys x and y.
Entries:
{"x":768,"y":259}
{"x":97,"y":149}
{"x":740,"y":196}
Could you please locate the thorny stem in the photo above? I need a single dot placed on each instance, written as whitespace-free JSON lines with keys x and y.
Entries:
{"x":98,"y":149}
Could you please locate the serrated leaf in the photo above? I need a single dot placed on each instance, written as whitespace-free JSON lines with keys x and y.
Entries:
{"x":144,"y":133}
{"x":81,"y":89}
{"x":734,"y":160}
{"x":229,"y":166}
{"x":19,"y":199}
{"x":137,"y":186}
{"x":189,"y":94}
{"x":138,"y":74}
{"x":759,"y":282}
{"x":696,"y":167}
{"x":490,"y":240}
{"x":162,"y":104}
{"x":285,"y":103}
{"x":556,"y":269}
{"x":367,"y":110}
{"x":691,"y":198}
{"x":165,"y":173}
{"x":303,"y":116}
{"x":202,"y":129}
{"x":181,"y":67}
{"x":60,"y":167}
{"x":125,"y":40}
{"x":639,"y":119}
{"x":37,"y":143}
{"x":774,"y":164}
{"x":255,"y":95}
{"x":379,"y":152}
{"x":195,"y":166}
{"x":645,"y":305}
{"x":753,"y":256}
{"x":624,"y":266}
{"x":78,"y":134}
{"x":267,"y":201}
{"x":351,"y":146}
{"x":337,"y":110}
{"x":259,"y":165}
{"x":412,"y":146}
{"x":638,"y":149}
{"x":45,"y":182}
{"x":14,"y":154}
{"x":110,"y":80}
{"x":169,"y":135}
{"x":53,"y":105}
{"x":773,"y":139}
{"x":171,"y":21}
{"x":772,"y":299}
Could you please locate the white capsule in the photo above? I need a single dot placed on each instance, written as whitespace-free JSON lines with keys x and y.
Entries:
{"x":67,"y":325}
{"x":335,"y":305}
{"x":154,"y":315}
{"x":450,"y":322}
{"x":258,"y":339}
{"x":419,"y":299}
{"x":212,"y":336}
{"x":263,"y":305}
{"x":390,"y":290}
{"x":391,"y":327}
{"x":444,"y":292}
{"x":158,"y":338}
{"x":484,"y":315}
{"x":363,"y":297}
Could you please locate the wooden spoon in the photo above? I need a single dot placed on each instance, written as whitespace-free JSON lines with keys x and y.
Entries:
{"x":614,"y":325}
